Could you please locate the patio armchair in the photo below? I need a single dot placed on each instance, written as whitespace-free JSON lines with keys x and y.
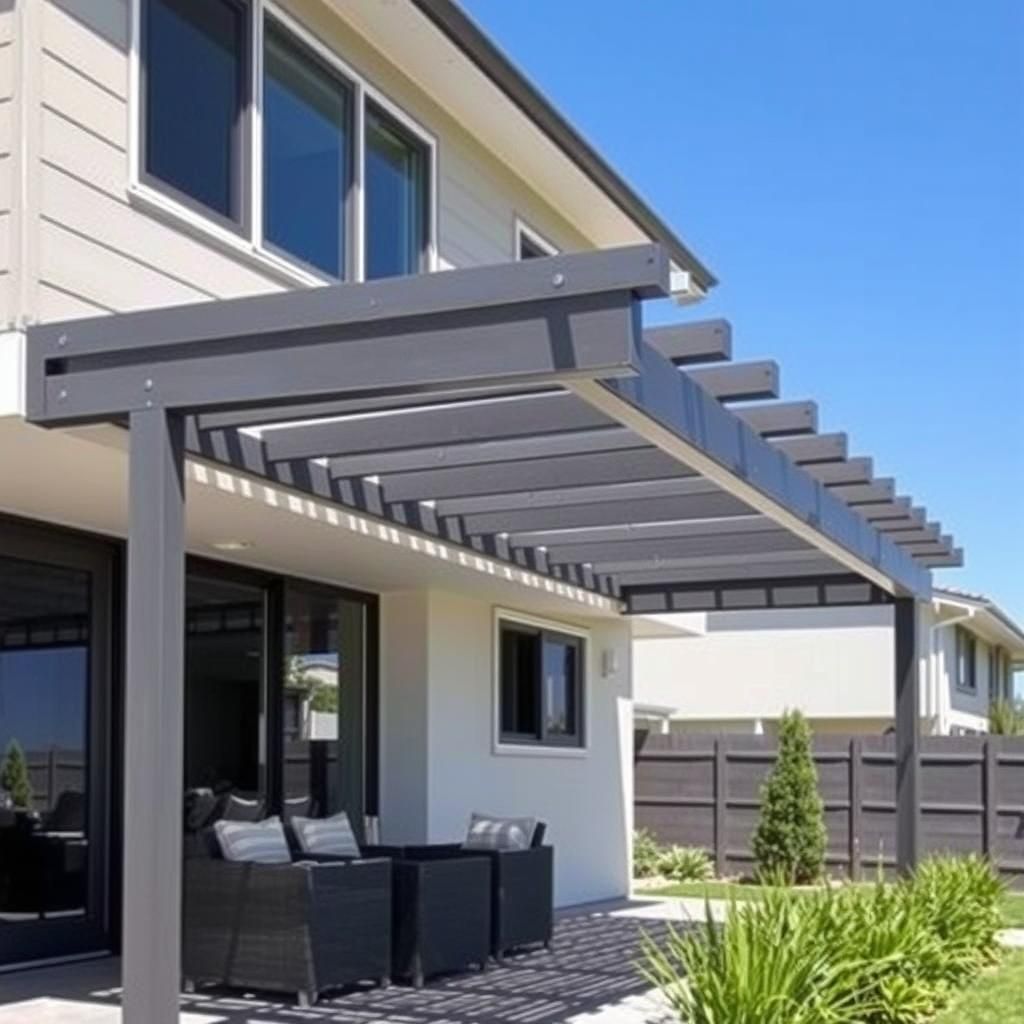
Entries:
{"x":522,"y":890}
{"x":293,"y":927}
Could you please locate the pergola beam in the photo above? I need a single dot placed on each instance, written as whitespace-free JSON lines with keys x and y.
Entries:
{"x":518,"y":323}
{"x":624,"y":555}
{"x":563,"y":515}
{"x":521,"y":417}
{"x":578,"y":470}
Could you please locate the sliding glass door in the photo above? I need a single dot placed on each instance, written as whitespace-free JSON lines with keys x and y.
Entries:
{"x":277,"y":673}
{"x":323,"y":701}
{"x":55,"y":699}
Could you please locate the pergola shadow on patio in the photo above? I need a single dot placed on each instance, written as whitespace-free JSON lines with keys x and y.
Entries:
{"x":518,"y":416}
{"x":590,"y":974}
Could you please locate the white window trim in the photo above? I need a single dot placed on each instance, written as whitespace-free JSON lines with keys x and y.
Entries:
{"x":503,"y":749}
{"x":250,"y":247}
{"x":523,"y":230}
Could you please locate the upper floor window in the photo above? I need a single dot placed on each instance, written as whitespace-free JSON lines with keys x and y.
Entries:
{"x":396,"y":197}
{"x":194,"y":118}
{"x":307,"y":154}
{"x":276,"y":163}
{"x":530,"y":244}
{"x":966,"y":660}
{"x":540,"y":685}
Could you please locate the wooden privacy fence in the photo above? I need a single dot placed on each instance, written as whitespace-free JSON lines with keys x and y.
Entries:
{"x":703,"y":790}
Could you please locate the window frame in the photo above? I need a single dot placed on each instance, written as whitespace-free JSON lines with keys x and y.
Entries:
{"x":523,"y":231}
{"x":964,"y":638}
{"x":246,"y":240}
{"x":543,"y":745}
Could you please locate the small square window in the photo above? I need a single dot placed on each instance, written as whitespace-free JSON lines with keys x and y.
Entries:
{"x":195,"y":101}
{"x":530,"y":245}
{"x":540,"y":686}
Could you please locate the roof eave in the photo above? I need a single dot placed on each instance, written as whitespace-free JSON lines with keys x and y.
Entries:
{"x":450,"y":19}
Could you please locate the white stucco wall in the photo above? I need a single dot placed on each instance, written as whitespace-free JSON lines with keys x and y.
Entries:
{"x":438,"y":646}
{"x":834,"y":664}
{"x":829,"y":663}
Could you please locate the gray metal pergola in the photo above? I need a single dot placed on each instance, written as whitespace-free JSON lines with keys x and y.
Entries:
{"x":518,"y":411}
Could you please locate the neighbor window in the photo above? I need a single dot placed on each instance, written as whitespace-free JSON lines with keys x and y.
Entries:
{"x":966,"y":658}
{"x":540,"y":683}
{"x":195,"y":60}
{"x":396,"y":214}
{"x":306,"y":154}
{"x":280,"y":165}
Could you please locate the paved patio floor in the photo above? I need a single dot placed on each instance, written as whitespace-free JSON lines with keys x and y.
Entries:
{"x":588,"y":977}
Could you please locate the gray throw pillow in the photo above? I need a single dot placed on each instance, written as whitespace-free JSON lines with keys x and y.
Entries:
{"x":261,"y":842}
{"x":332,"y":836}
{"x":488,"y":832}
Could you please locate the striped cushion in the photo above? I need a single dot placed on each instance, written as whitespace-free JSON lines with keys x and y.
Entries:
{"x":486,"y":832}
{"x":332,"y":836}
{"x":262,"y":842}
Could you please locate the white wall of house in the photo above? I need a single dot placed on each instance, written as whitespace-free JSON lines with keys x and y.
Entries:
{"x":439,"y":751}
{"x":830,"y":663}
{"x":834,"y":664}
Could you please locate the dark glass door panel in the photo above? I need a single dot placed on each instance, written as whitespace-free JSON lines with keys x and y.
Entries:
{"x":322,"y":703}
{"x":225,"y":728}
{"x":54,"y":692}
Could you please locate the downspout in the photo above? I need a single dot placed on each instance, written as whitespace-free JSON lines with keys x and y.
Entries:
{"x":937,"y":694}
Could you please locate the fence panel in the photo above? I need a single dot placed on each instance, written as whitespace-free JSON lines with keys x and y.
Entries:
{"x":704,"y":790}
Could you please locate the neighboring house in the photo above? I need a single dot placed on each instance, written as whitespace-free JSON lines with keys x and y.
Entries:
{"x":439,"y":492}
{"x":738,"y":671}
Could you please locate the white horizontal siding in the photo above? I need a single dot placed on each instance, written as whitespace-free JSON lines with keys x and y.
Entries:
{"x":95,"y":273}
{"x":91,"y":37}
{"x":56,"y":304}
{"x":7,"y":147}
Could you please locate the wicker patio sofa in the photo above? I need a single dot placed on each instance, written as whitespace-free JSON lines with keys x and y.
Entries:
{"x":299,"y":927}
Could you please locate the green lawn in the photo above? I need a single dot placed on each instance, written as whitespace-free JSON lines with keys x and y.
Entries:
{"x":1013,"y":906}
{"x":1013,"y":910}
{"x":994,"y":998}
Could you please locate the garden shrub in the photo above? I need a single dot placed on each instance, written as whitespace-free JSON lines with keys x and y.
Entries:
{"x":14,"y":775}
{"x":646,"y":854}
{"x":685,"y":864}
{"x":790,"y":837}
{"x":882,"y":954}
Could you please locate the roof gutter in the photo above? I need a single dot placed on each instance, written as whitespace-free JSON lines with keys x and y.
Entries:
{"x":450,"y":19}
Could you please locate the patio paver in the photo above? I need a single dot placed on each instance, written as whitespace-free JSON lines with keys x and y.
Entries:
{"x":589,"y":977}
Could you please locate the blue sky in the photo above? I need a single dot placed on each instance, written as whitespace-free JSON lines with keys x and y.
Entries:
{"x":854,"y":176}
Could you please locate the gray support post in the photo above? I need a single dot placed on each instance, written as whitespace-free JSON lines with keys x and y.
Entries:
{"x":908,"y":730}
{"x":856,"y":803}
{"x":153,"y":726}
{"x":721,"y":808}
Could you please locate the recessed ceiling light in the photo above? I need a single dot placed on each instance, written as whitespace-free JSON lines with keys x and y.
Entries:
{"x":232,"y":545}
